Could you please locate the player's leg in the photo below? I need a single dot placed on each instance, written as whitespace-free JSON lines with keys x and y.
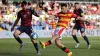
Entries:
{"x":49,"y":42}
{"x":35,"y":45}
{"x":53,"y":32}
{"x":85,"y":37}
{"x":58,"y":41}
{"x":74,"y":31}
{"x":33,"y":39}
{"x":60,"y":45}
{"x":16,"y":36}
{"x":52,"y":40}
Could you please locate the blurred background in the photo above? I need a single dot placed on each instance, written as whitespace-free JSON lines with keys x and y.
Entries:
{"x":43,"y":26}
{"x":46,"y":8}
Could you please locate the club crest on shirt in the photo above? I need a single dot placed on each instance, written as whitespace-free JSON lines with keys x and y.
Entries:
{"x":24,"y":16}
{"x":28,"y":12}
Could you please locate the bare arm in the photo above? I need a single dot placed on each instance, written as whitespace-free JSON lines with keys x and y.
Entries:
{"x":18,"y":18}
{"x":80,"y":18}
{"x":16,"y":22}
{"x":36,"y":14}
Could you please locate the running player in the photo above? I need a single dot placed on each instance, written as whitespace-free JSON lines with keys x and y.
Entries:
{"x":64,"y":18}
{"x":26,"y":17}
{"x":79,"y":25}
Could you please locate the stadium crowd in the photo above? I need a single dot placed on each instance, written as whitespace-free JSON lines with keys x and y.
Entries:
{"x":45,"y":11}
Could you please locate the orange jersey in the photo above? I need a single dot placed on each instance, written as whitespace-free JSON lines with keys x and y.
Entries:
{"x":53,"y":24}
{"x":65,"y":18}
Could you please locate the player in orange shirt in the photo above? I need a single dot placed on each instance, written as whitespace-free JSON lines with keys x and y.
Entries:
{"x":64,"y":18}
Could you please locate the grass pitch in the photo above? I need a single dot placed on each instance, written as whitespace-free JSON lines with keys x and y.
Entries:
{"x":10,"y":47}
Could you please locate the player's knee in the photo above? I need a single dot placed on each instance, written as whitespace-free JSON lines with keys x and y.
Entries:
{"x":82,"y":34}
{"x":15,"y":35}
{"x":57,"y":41}
{"x":73,"y":35}
{"x":33,"y":41}
{"x":54,"y":37}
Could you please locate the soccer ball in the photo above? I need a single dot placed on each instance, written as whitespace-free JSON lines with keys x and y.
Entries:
{"x":34,"y":35}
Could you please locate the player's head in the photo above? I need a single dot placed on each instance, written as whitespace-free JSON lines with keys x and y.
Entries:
{"x":23,"y":4}
{"x":77,"y":6}
{"x":63,"y":7}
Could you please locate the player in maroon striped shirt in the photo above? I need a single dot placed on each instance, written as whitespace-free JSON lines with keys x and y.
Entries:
{"x":26,"y":17}
{"x":79,"y":25}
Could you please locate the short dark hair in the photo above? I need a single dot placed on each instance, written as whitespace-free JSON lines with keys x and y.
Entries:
{"x":63,"y":4}
{"x":76,"y":3}
{"x":23,"y":3}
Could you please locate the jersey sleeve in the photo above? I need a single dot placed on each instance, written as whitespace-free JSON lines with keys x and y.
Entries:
{"x":19,"y":14}
{"x":33,"y":12}
{"x":74,"y":15}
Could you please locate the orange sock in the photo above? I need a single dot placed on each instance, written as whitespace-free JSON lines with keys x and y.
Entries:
{"x":65,"y":50}
{"x":48,"y":43}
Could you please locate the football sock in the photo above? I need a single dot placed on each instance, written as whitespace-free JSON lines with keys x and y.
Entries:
{"x":86,"y":39}
{"x":65,"y":50}
{"x":36,"y":47}
{"x":19,"y":40}
{"x":75,"y":38}
{"x":48,"y":43}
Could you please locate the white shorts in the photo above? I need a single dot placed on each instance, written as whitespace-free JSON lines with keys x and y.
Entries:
{"x":59,"y":31}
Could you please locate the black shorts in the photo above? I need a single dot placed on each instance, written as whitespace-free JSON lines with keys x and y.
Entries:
{"x":81,"y":28}
{"x":27,"y":29}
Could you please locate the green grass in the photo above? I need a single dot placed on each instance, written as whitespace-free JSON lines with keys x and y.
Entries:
{"x":10,"y":47}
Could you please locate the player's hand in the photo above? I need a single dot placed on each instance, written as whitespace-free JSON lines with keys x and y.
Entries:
{"x":12,"y":29}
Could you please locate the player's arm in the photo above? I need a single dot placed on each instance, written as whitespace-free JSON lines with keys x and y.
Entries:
{"x":73,"y":15}
{"x":82,"y":19}
{"x":18,"y":18}
{"x":16,"y":22}
{"x":56,"y":16}
{"x":34,"y":13}
{"x":81,"y":16}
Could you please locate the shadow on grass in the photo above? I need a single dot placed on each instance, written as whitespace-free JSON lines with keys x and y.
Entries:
{"x":11,"y":54}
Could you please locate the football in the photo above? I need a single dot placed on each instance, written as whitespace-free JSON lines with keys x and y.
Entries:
{"x":34,"y":35}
